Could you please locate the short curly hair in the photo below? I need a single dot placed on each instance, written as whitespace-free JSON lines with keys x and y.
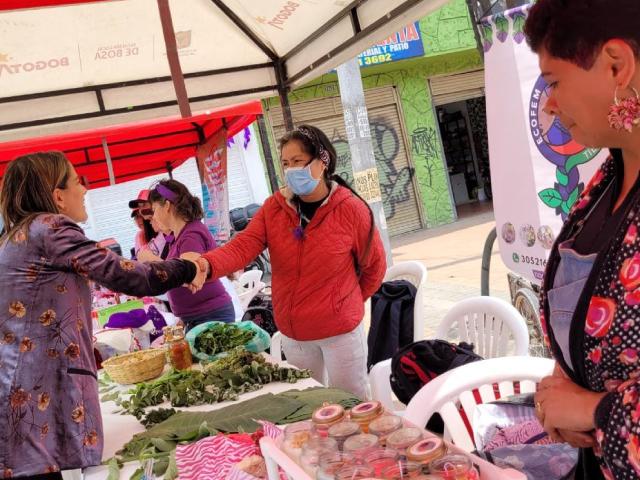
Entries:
{"x":574,"y":30}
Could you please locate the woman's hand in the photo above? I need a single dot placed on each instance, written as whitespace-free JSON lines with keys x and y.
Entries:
{"x":563,"y":405}
{"x":577,"y":439}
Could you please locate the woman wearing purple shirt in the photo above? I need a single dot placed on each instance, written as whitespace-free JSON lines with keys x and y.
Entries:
{"x":49,"y":408}
{"x":177,"y":210}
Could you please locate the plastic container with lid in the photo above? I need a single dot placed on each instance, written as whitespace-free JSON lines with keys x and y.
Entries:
{"x":427,"y":450}
{"x":354,"y":472}
{"x":365,"y":413}
{"x":326,"y":416}
{"x":313,"y":450}
{"x":453,"y":467}
{"x":385,"y":425}
{"x":402,"y":470}
{"x":296,"y":435}
{"x":330,"y":463}
{"x":402,"y":439}
{"x":343,"y":430}
{"x":381,"y":458}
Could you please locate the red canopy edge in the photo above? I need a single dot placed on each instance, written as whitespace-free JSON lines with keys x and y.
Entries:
{"x":137,"y":150}
{"x":24,"y":4}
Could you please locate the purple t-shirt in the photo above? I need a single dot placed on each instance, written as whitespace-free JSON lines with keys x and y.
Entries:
{"x":195,"y":237}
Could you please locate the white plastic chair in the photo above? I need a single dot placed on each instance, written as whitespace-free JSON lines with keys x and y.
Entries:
{"x":416,"y":273}
{"x":493,"y":326}
{"x":453,"y":390}
{"x":275,"y":350}
{"x":251,"y":283}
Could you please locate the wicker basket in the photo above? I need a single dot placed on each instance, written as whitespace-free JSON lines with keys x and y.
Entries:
{"x":136,"y":367}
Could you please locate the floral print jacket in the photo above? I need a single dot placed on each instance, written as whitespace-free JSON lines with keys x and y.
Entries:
{"x":49,"y":408}
{"x":605,"y":333}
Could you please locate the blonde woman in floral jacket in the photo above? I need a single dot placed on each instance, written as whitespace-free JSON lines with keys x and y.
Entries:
{"x":589,"y":56}
{"x":49,"y":408}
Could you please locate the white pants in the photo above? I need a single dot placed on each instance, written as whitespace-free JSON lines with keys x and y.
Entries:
{"x":343,"y":356}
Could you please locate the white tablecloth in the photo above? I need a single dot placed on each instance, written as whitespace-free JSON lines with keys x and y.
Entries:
{"x":118,"y":429}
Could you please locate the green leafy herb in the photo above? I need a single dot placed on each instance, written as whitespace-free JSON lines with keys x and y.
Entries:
{"x":222,"y":337}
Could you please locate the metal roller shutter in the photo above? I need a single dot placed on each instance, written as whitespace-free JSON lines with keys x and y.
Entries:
{"x":455,"y":88}
{"x":401,"y":204}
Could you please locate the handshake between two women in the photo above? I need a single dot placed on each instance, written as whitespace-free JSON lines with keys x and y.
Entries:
{"x":203,"y":271}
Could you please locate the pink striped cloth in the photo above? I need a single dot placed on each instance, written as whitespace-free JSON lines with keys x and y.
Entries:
{"x":214,"y":458}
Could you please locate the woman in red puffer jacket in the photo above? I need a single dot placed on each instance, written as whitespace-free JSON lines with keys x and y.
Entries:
{"x":327,"y":259}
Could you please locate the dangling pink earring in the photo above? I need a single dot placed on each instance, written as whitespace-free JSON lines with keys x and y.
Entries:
{"x":625,"y":113}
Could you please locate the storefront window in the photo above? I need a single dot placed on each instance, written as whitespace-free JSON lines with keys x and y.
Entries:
{"x":483,"y":8}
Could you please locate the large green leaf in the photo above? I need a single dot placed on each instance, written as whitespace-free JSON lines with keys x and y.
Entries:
{"x":550,"y":197}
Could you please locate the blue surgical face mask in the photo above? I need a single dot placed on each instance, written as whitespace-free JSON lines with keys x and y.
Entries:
{"x":300,"y":180}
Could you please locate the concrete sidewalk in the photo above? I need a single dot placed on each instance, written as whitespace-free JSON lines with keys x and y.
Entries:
{"x":453,"y":257}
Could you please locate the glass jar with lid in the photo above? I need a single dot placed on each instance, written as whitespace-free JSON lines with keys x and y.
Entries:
{"x":326,"y":416}
{"x":296,"y":435}
{"x":380,"y":459}
{"x":177,"y":347}
{"x":313,"y":450}
{"x":330,"y":463}
{"x":361,"y":444}
{"x":427,"y":450}
{"x":453,"y":467}
{"x":365,"y":413}
{"x":385,"y":425}
{"x":354,"y":472}
{"x":343,"y":430}
{"x":402,"y":470}
{"x":403,"y":438}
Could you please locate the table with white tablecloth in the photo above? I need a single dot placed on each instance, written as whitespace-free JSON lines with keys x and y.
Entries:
{"x":119,"y":429}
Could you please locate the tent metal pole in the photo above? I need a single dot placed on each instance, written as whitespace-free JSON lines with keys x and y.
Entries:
{"x":174,"y":60}
{"x":107,"y":157}
{"x":268,"y":157}
{"x":283,"y":93}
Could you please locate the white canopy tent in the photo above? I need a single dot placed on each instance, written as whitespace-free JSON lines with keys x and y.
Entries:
{"x":74,"y":67}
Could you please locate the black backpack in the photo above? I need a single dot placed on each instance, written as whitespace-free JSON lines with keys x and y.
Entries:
{"x":260,"y":312}
{"x":391,"y":320}
{"x":420,"y":362}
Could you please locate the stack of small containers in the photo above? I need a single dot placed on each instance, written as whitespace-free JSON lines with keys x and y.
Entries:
{"x":369,"y":443}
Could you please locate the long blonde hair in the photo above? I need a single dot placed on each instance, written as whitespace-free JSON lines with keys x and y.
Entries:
{"x":27,"y":188}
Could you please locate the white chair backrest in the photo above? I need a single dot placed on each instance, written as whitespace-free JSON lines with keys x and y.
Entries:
{"x":251,"y":284}
{"x":275,"y":350}
{"x":493,"y":326}
{"x":249,"y":279}
{"x":416,"y":273}
{"x":453,"y":390}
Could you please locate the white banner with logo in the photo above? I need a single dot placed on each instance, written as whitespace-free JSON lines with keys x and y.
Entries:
{"x":537,"y":169}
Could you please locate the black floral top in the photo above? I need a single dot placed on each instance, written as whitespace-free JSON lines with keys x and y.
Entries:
{"x":605,"y":331}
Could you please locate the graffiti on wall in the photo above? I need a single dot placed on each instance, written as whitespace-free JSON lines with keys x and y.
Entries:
{"x":395,"y":183}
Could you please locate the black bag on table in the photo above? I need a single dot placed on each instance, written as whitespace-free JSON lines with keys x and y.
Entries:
{"x":420,"y":362}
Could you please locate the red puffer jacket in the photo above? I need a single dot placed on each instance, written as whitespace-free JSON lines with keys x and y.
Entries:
{"x":316,"y":291}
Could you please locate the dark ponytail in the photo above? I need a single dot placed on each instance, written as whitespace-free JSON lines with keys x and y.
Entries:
{"x":188,"y":207}
{"x":314,"y":141}
{"x":148,"y":231}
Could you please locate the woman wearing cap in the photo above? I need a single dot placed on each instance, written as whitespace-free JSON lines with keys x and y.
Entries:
{"x":589,"y":55}
{"x":149,"y":238}
{"x":175,"y":209}
{"x":49,"y":408}
{"x":327,"y":260}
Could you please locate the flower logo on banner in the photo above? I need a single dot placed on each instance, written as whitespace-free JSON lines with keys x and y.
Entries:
{"x":555,"y":144}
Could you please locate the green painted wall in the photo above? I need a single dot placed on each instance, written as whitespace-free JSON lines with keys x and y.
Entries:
{"x":450,"y":46}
